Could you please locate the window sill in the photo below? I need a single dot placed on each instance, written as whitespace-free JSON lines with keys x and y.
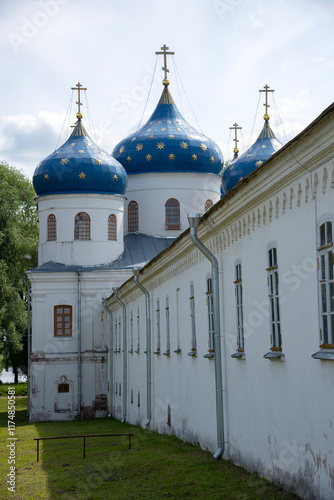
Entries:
{"x":172,"y":226}
{"x":238,"y":355}
{"x":275,"y":355}
{"x":325,"y":355}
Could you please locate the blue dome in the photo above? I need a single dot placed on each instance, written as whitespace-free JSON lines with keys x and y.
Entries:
{"x":266,"y":145}
{"x":167,"y":143}
{"x":79,"y":166}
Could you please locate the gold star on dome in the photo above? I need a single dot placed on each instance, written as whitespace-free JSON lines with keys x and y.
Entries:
{"x":160,"y":145}
{"x":121,"y":149}
{"x":148,"y":130}
{"x":190,"y":137}
{"x":240,"y":178}
{"x":248,"y":156}
{"x":212,"y":159}
{"x":57,"y":152}
{"x":171,"y":156}
{"x":151,"y":123}
{"x":148,"y":157}
{"x":133,"y":139}
{"x":46,"y":177}
{"x":97,"y":161}
{"x":171,"y":137}
{"x":264,"y":146}
{"x":81,"y":151}
{"x":194,"y":157}
{"x":128,"y":158}
{"x":139,"y":147}
{"x":162,"y":129}
{"x":217,"y":151}
{"x":183,"y":145}
{"x":115,"y":177}
{"x":178,"y":129}
{"x":72,"y":144}
{"x":204,"y":147}
{"x":168,"y":121}
{"x":151,"y":137}
{"x":63,"y":161}
{"x":159,"y":123}
{"x":82,"y":175}
{"x":177,"y":121}
{"x":258,"y":163}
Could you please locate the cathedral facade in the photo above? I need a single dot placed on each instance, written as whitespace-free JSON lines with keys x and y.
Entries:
{"x":221,"y":333}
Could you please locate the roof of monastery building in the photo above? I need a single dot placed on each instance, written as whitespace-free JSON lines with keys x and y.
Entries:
{"x":167,"y":143}
{"x":79,"y":166}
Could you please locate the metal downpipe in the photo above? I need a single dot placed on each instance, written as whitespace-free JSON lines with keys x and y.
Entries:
{"x":111,"y":341}
{"x":28,"y":341}
{"x":193,"y":223}
{"x":148,"y":348}
{"x":125,"y":350}
{"x":79,"y":343}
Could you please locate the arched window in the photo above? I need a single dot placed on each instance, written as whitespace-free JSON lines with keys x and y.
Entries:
{"x":207,"y":205}
{"x":133,"y":219}
{"x":82,"y":226}
{"x":52,"y":228}
{"x":172,"y":214}
{"x":112,"y":227}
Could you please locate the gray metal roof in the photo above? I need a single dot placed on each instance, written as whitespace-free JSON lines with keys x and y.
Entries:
{"x":139,"y":249}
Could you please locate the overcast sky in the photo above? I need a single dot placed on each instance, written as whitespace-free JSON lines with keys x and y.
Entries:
{"x":225,"y":51}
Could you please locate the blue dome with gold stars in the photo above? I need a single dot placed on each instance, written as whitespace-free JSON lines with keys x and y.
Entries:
{"x":266,"y":145}
{"x":79,"y":166}
{"x":167,"y":143}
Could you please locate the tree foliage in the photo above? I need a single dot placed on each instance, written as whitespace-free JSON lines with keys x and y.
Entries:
{"x":18,"y":252}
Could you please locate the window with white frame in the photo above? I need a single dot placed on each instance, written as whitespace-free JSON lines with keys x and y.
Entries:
{"x":158,"y":327}
{"x":210,"y":313}
{"x":167,"y":327}
{"x":326,"y":285}
{"x":138,"y":331}
{"x":273,"y":293}
{"x":131,"y":332}
{"x":239,"y":308}
{"x":192,"y":318}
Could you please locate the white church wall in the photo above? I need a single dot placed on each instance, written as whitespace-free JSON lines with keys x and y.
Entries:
{"x":151,"y":191}
{"x":67,"y":250}
{"x":278,"y":415}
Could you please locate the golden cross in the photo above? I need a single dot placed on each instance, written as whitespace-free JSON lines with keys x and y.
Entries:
{"x":78,"y":87}
{"x":266,"y":90}
{"x":236,"y":140}
{"x":165,"y":53}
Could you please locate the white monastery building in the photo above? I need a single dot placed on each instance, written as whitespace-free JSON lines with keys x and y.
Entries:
{"x":164,"y":303}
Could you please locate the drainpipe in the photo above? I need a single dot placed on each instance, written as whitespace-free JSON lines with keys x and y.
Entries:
{"x":79,"y":342}
{"x":194,"y":219}
{"x":111,"y":342}
{"x":125,"y":380}
{"x":148,"y":347}
{"x":28,"y":341}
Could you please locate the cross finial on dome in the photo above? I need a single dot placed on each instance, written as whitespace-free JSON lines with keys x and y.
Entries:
{"x":236,"y":140}
{"x":266,"y":90}
{"x":164,"y":68}
{"x":78,"y":87}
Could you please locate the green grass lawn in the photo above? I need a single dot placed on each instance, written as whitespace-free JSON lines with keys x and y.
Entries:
{"x":155,"y":467}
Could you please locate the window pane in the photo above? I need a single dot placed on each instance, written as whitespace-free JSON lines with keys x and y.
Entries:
{"x":66,"y":310}
{"x":323,"y":298}
{"x":322,"y":267}
{"x":322,"y":235}
{"x":324,"y":329}
{"x":329,"y":232}
{"x":60,"y":310}
{"x":330,"y":264}
{"x":332,"y":325}
{"x":331,"y":294}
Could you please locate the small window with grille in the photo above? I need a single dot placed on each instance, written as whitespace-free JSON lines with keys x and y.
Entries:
{"x":82,"y":226}
{"x":133,"y":217}
{"x":172,"y":214}
{"x":112,"y":227}
{"x":52,"y":228}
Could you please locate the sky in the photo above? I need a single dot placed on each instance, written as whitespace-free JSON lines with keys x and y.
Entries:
{"x":225,"y":52}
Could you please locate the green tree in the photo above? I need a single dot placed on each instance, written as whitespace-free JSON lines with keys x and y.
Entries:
{"x":18,"y":252}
